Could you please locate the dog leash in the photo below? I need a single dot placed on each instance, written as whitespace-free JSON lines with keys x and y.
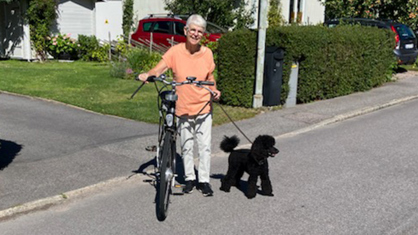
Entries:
{"x":211,"y":101}
{"x":234,"y":123}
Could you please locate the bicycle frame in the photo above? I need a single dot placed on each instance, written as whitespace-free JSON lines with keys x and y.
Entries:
{"x":168,"y":124}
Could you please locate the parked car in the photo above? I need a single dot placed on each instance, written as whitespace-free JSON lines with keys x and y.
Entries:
{"x":406,"y":41}
{"x":168,"y":30}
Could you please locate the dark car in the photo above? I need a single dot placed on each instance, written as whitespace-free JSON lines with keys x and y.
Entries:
{"x":406,"y":41}
{"x":168,"y":30}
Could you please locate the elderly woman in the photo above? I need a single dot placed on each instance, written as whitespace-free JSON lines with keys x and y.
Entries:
{"x":192,"y":59}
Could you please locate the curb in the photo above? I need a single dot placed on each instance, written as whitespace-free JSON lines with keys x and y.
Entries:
{"x":43,"y":204}
{"x":335,"y":119}
{"x":342,"y":117}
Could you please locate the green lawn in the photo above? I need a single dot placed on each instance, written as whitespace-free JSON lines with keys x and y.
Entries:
{"x":409,"y":67}
{"x":90,"y":86}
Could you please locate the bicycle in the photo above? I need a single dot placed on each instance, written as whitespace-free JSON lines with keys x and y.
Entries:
{"x":165,"y":170}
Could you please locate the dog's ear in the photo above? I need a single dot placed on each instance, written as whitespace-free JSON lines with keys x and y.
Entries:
{"x":259,"y":149}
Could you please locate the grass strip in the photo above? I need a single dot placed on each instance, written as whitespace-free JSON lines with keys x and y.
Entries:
{"x":89,"y":85}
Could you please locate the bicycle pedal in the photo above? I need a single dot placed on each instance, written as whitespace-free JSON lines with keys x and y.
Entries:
{"x":151,"y":148}
{"x":178,"y":186}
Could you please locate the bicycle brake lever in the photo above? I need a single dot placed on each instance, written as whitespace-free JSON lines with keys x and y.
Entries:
{"x":151,"y":78}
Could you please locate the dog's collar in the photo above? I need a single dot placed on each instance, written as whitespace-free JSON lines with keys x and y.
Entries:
{"x":261,"y":162}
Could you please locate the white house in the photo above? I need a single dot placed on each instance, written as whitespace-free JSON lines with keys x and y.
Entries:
{"x":307,"y":12}
{"x":102,"y":18}
{"x":304,"y":12}
{"x":14,"y":33}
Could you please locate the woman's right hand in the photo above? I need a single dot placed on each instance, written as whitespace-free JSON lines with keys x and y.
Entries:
{"x":143,"y":77}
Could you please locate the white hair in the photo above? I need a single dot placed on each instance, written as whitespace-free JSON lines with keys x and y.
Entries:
{"x":196,"y":20}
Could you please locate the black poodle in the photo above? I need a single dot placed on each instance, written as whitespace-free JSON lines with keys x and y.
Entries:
{"x":253,"y":161}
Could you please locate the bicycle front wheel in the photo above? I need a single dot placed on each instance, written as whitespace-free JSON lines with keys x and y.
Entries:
{"x":166,"y":177}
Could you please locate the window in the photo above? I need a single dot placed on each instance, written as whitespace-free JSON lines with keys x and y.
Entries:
{"x":404,"y":32}
{"x":179,"y":28}
{"x":162,"y":27}
{"x":296,"y":8}
{"x":147,"y":26}
{"x":212,"y":28}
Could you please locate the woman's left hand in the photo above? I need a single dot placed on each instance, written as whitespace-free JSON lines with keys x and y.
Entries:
{"x":217,"y":95}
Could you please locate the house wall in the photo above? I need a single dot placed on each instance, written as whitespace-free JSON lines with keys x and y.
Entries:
{"x":109,"y":16}
{"x":2,"y":29}
{"x":88,"y":17}
{"x":14,"y":29}
{"x":311,"y":11}
{"x":75,"y":17}
{"x":314,"y":12}
{"x":143,"y":8}
{"x":15,"y":42}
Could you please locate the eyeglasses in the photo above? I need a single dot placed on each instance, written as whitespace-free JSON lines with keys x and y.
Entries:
{"x":194,"y":31}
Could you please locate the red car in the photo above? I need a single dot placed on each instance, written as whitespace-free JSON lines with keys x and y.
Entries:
{"x":161,"y":32}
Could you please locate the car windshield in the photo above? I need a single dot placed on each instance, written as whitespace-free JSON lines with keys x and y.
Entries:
{"x":213,"y":28}
{"x":404,"y":31}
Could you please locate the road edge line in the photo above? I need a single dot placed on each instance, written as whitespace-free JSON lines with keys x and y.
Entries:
{"x":45,"y":203}
{"x":348,"y":115}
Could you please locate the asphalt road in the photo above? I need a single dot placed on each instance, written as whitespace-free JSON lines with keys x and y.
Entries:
{"x":49,"y":148}
{"x":358,"y":176}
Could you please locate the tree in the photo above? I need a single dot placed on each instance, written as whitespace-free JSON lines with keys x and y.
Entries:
{"x":128,"y":14}
{"x":41,"y":14}
{"x":404,"y":11}
{"x":275,"y":17}
{"x":225,"y":13}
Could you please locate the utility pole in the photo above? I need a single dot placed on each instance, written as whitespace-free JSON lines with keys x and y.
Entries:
{"x":261,"y":41}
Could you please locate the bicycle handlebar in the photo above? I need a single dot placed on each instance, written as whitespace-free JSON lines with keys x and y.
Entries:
{"x":190,"y":80}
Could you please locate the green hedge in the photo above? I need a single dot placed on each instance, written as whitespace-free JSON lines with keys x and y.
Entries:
{"x":332,"y":61}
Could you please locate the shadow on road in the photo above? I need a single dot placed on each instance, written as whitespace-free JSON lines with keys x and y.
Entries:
{"x":143,"y":169}
{"x":8,"y":151}
{"x":243,"y":185}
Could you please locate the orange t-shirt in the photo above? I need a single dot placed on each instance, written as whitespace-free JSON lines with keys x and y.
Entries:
{"x":191,"y":99}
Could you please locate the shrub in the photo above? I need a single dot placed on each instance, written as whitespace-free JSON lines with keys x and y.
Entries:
{"x":236,"y":58}
{"x":121,"y":48}
{"x":90,"y":49}
{"x":332,"y":61}
{"x":141,"y":60}
{"x":40,"y":15}
{"x":62,"y":45}
{"x":118,"y":69}
{"x":137,"y":61}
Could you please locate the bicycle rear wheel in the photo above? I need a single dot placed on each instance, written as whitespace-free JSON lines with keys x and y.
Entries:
{"x":166,"y":177}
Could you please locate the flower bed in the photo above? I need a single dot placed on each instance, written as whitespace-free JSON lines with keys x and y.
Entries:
{"x":62,"y":46}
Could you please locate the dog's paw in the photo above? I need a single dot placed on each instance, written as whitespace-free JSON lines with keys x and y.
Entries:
{"x":269,"y":194}
{"x":224,"y":189}
{"x":250,"y":195}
